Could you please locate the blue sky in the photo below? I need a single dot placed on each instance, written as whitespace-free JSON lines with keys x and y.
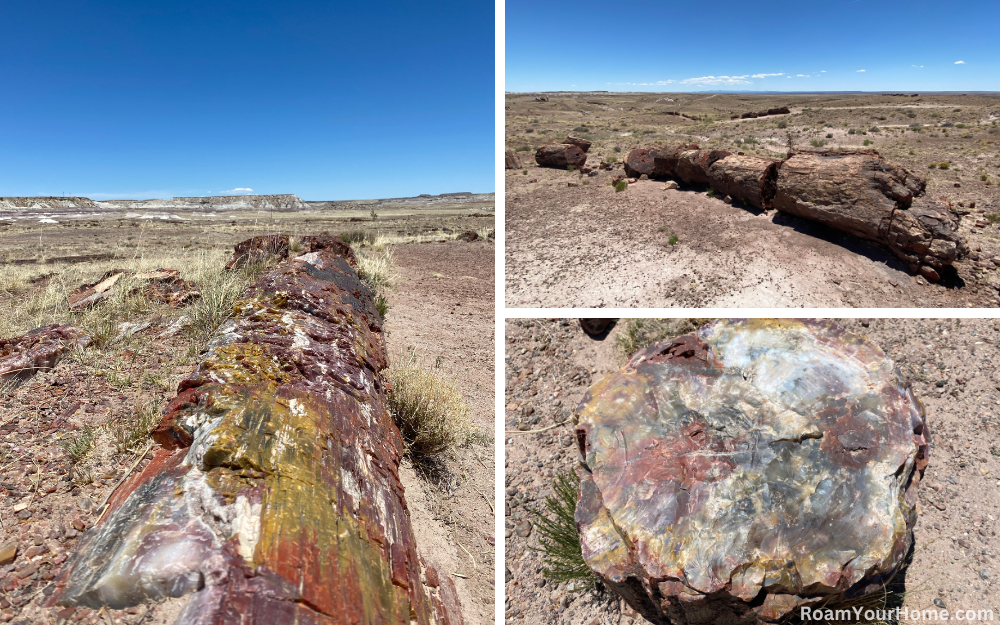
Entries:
{"x":328,"y":100}
{"x":864,"y":45}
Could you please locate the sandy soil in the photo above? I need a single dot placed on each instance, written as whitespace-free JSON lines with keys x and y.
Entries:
{"x":587,"y":246}
{"x":952,"y":365}
{"x":443,"y":308}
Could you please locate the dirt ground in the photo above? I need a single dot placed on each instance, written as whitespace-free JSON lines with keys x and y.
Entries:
{"x":564,"y":241}
{"x":952,"y":364}
{"x":48,"y":500}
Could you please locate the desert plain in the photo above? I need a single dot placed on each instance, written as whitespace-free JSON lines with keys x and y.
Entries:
{"x":572,"y":240}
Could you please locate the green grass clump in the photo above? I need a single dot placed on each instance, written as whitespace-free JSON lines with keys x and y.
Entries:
{"x":559,"y":540}
{"x":995,"y":217}
{"x":130,"y":433}
{"x":817,"y":143}
{"x":79,"y":445}
{"x":672,"y":239}
{"x":621,"y":185}
{"x":944,"y":165}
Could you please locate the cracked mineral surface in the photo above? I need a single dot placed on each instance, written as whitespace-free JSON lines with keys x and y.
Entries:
{"x":755,"y":466}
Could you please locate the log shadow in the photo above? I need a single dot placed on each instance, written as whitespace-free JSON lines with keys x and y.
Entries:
{"x":603,"y":334}
{"x":851,"y":243}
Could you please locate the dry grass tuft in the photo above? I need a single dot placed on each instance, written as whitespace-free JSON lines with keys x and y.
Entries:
{"x":130,"y":433}
{"x":428,"y":409}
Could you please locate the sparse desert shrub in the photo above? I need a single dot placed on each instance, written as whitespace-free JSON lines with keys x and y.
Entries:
{"x":130,"y":433}
{"x":616,"y":149}
{"x":77,"y":446}
{"x":581,"y":129}
{"x":711,"y":192}
{"x":944,"y":165}
{"x":559,"y":540}
{"x":218,"y":294}
{"x":829,"y":135}
{"x":428,"y":409}
{"x":874,"y":129}
{"x":529,"y":130}
{"x":984,"y":177}
{"x":523,"y":148}
{"x":586,"y":182}
{"x":932,"y":166}
{"x":672,"y":239}
{"x":868,"y":142}
{"x":358,"y":236}
{"x":817,"y":143}
{"x":621,"y":185}
{"x":611,"y":159}
{"x":852,"y":131}
{"x":782,"y":124}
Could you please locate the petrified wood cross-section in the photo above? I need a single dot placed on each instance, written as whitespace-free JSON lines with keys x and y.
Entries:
{"x":735,"y":474}
{"x":274,"y":496}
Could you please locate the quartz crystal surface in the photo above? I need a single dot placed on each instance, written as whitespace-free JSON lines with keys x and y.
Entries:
{"x":755,"y":466}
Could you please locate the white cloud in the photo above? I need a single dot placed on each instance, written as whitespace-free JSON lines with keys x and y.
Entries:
{"x":766,"y":75}
{"x":822,"y":71}
{"x":959,"y":62}
{"x":239,"y":190}
{"x":802,"y":75}
{"x":658,"y":83}
{"x":717,"y":80}
{"x":860,"y":71}
{"x":917,"y":66}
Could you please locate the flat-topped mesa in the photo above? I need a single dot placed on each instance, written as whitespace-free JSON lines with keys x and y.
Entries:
{"x":754,"y":467}
{"x":41,"y":203}
{"x":274,"y":495}
{"x":856,"y":191}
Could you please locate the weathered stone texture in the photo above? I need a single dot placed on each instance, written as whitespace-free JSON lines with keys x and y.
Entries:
{"x":560,"y":155}
{"x":737,"y":473}
{"x":274,"y":495}
{"x":40,"y":349}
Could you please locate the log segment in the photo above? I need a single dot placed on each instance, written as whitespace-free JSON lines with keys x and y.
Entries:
{"x":274,"y":495}
{"x":750,"y":179}
{"x":736,"y":474}
{"x":560,"y":155}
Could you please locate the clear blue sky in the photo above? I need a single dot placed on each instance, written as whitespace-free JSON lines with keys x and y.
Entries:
{"x":328,"y":100}
{"x":769,"y":45}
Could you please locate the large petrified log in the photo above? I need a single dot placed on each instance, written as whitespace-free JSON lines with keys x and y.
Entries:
{"x":259,"y":249}
{"x":40,"y":349}
{"x":858,"y":192}
{"x":274,"y":495}
{"x":751,"y":179}
{"x":861,"y":193}
{"x":583,"y":144}
{"x":693,"y":165}
{"x":738,"y":473}
{"x":560,"y":155}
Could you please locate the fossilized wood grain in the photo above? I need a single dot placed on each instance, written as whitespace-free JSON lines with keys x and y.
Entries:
{"x":734,"y":474}
{"x":274,"y":495}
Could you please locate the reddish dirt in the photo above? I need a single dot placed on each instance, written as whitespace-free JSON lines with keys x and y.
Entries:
{"x":444,"y":308}
{"x":589,"y":246}
{"x":952,"y":364}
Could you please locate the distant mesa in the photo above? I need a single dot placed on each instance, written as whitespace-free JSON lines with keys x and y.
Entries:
{"x":225,"y":203}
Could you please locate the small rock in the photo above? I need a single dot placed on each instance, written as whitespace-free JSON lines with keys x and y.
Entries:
{"x":85,"y":504}
{"x":8,"y":551}
{"x":572,"y":184}
{"x":957,"y":185}
{"x":523,"y":529}
{"x":78,"y":525}
{"x":939,"y":603}
{"x":592,"y":173}
{"x":670,"y":184}
{"x":984,"y":574}
{"x":432,"y":577}
{"x":728,"y":199}
{"x":964,"y":544}
{"x":507,"y":574}
{"x":643,"y":177}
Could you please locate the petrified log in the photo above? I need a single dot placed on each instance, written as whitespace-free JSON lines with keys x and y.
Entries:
{"x":693,"y":165}
{"x":510,"y":160}
{"x":665,"y":160}
{"x":259,"y":249}
{"x":583,"y":144}
{"x":749,"y":178}
{"x":89,"y":294}
{"x":861,"y":193}
{"x":274,"y":495}
{"x":640,"y":161}
{"x":596,"y":327}
{"x":560,"y":155}
{"x":738,"y":473}
{"x":779,"y":111}
{"x":40,"y":349}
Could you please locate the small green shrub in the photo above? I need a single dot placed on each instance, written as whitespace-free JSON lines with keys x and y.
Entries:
{"x":611,"y":159}
{"x":529,"y":130}
{"x":616,"y":149}
{"x":817,"y":143}
{"x":557,"y":535}
{"x":932,"y":166}
{"x":852,"y":131}
{"x":944,"y":165}
{"x":995,"y":217}
{"x":523,"y":148}
{"x":79,"y":445}
{"x":829,"y":135}
{"x":621,"y":185}
{"x":984,"y":177}
{"x":868,"y":142}
{"x":782,"y":124}
{"x":672,"y":239}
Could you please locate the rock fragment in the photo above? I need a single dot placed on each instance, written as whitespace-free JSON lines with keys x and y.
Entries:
{"x":560,"y":155}
{"x":259,"y":249}
{"x":40,"y":349}
{"x":755,"y":466}
{"x":511,"y":161}
{"x":583,"y":144}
